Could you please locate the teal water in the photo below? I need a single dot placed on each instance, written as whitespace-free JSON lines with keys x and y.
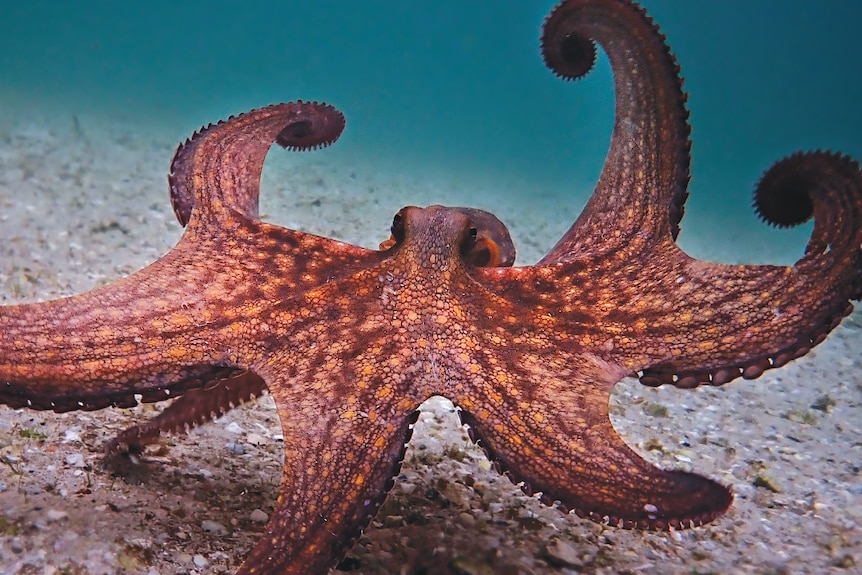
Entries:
{"x":452,"y":85}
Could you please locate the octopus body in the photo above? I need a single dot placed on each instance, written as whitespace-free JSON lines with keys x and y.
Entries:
{"x":350,"y":341}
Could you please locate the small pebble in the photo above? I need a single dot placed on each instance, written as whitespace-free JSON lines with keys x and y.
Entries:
{"x":200,"y":561}
{"x":75,"y":460}
{"x":406,"y":488}
{"x":562,"y":554}
{"x":467,"y":520}
{"x":489,"y":495}
{"x":255,"y":439}
{"x":72,"y":435}
{"x":767,"y":482}
{"x":56,"y":515}
{"x":233,"y":427}
{"x":214,"y":527}
{"x":140,"y":543}
{"x":259,"y":516}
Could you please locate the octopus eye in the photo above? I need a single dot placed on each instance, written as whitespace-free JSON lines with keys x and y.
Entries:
{"x":398,"y":227}
{"x":469,"y":245}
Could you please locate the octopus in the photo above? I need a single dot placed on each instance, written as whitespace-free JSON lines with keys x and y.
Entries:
{"x":350,"y":341}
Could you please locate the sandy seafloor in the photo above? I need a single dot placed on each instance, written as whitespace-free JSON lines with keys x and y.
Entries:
{"x":83,"y":202}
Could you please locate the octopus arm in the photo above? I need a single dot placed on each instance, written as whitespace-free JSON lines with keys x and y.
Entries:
{"x":339,"y":464}
{"x":545,"y":423}
{"x":195,"y":407}
{"x":101,"y":348}
{"x":170,"y":327}
{"x":642,"y":187}
{"x":346,"y":405}
{"x":219,"y":167}
{"x":725,"y":321}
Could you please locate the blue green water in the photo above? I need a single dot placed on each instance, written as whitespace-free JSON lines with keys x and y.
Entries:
{"x":452,"y":84}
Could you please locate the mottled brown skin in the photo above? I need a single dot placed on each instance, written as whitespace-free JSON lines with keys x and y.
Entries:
{"x":350,"y":341}
{"x":492,"y":246}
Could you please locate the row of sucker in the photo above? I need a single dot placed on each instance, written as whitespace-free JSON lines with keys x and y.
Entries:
{"x":500,"y":467}
{"x":185,"y":380}
{"x":373,"y":507}
{"x":194,"y":408}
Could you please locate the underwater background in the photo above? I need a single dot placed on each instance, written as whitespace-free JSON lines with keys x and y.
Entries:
{"x":455,"y":87}
{"x":446,"y":102}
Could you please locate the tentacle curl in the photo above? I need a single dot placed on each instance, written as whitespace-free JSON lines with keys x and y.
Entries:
{"x":800,"y":305}
{"x":220,"y":165}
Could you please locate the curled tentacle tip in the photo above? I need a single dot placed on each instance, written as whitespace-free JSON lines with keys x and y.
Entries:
{"x":570,"y":56}
{"x":313,"y":125}
{"x":784,"y":195}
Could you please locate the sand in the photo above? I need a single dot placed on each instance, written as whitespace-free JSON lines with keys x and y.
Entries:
{"x":83,"y":202}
